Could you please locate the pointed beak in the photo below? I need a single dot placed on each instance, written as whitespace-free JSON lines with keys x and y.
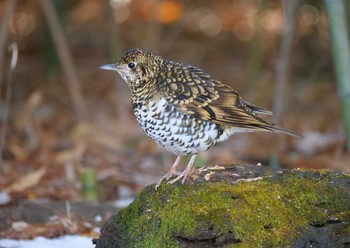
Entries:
{"x":109,"y":67}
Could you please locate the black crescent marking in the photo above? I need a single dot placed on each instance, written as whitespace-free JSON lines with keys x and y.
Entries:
{"x":210,"y":111}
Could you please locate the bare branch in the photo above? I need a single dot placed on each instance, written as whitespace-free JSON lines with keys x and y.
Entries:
{"x":65,"y":59}
{"x":14,"y":50}
{"x":8,"y":11}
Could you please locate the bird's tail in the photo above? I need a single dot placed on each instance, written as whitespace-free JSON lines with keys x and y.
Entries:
{"x":278,"y":129}
{"x":270,"y":126}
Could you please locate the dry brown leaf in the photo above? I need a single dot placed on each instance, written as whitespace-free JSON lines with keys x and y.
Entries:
{"x":27,"y":181}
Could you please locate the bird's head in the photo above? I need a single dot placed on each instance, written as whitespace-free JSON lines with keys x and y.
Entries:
{"x":137,"y":67}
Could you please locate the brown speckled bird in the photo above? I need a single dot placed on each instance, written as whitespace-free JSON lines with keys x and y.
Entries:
{"x":183,"y":109}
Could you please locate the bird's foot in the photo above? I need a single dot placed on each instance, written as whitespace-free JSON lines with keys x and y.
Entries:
{"x":183,"y":175}
{"x":170,"y":173}
{"x":174,"y":172}
{"x":186,"y":172}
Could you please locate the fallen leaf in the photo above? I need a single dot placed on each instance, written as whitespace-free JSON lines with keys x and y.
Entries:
{"x":27,"y":181}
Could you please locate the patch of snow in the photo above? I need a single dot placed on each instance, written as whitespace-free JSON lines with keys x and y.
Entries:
{"x":124,"y":202}
{"x":67,"y":241}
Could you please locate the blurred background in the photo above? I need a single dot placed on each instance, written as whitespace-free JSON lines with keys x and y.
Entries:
{"x":67,"y":125}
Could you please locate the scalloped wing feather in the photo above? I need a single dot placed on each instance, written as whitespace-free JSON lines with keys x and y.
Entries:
{"x":193,"y":92}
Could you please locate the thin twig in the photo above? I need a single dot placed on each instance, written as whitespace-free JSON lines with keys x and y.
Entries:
{"x":65,"y":58}
{"x":13,"y":48}
{"x":8,"y":12}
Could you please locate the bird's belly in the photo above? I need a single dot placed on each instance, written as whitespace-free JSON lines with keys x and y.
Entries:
{"x":177,"y":132}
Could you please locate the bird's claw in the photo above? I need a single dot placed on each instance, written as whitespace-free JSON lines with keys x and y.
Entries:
{"x":183,"y":175}
{"x":167,"y":176}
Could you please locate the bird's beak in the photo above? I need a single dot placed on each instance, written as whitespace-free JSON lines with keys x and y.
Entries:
{"x":109,"y":67}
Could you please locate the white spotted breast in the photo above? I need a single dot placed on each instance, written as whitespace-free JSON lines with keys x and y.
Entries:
{"x":179,"y":133}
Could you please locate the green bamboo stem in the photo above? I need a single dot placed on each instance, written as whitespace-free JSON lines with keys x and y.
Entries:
{"x":88,"y":180}
{"x":339,"y":36}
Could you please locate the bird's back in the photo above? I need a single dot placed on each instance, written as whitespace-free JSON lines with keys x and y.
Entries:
{"x":193,"y":92}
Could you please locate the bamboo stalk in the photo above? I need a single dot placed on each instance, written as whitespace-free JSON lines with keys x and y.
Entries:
{"x":282,"y":65}
{"x":88,"y":180}
{"x":282,"y":71}
{"x":339,"y":36}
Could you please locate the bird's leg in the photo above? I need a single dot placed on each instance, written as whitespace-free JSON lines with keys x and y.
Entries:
{"x":171,"y":172}
{"x":186,"y":172}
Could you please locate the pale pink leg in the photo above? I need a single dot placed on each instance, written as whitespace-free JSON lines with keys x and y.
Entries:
{"x":186,"y":172}
{"x":171,"y":172}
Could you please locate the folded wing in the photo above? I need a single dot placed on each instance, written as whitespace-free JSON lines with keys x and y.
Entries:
{"x":193,"y":92}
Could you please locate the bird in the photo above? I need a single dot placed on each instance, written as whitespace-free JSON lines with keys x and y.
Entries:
{"x":183,"y":109}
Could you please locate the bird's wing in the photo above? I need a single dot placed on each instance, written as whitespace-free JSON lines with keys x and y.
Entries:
{"x":193,"y":92}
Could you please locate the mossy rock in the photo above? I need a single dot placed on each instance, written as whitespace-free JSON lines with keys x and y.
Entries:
{"x":237,"y":206}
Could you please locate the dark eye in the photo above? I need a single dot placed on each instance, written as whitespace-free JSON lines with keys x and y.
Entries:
{"x":132,"y":65}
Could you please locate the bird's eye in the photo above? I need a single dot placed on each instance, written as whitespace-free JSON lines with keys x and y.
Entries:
{"x":132,"y":65}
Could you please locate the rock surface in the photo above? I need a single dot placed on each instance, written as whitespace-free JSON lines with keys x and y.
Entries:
{"x":237,"y":206}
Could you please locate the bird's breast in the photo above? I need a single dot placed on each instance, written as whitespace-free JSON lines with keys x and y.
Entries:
{"x":177,"y":132}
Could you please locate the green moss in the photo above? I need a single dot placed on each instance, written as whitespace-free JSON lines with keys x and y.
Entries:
{"x":264,"y":213}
